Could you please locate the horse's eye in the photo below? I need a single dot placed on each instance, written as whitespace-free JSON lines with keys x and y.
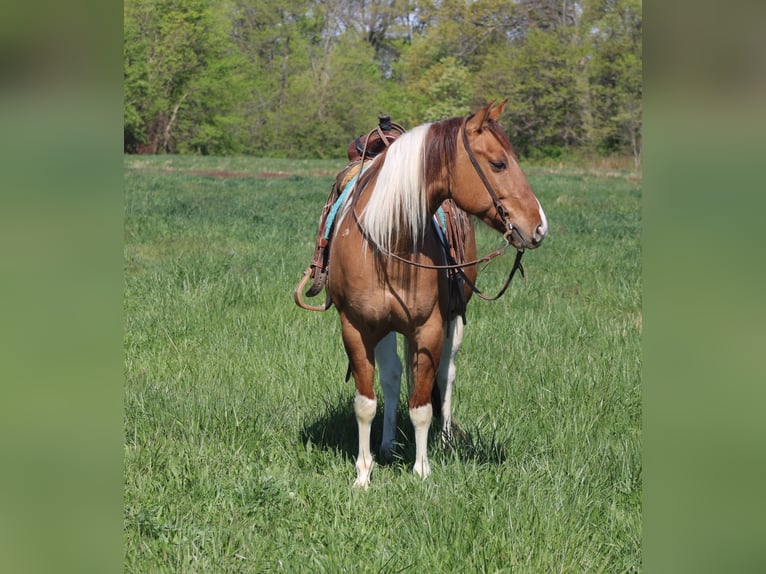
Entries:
{"x":497,"y":165}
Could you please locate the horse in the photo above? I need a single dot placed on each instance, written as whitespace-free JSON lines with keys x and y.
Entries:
{"x":387,"y":271}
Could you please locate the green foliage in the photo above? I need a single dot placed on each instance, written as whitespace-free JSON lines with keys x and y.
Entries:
{"x":445,"y":89}
{"x":615,"y":71}
{"x":301,"y":78}
{"x":341,"y":98}
{"x":542,"y":78}
{"x":179,"y":77}
{"x":239,"y":428}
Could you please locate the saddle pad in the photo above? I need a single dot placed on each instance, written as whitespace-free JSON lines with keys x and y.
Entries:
{"x":348,"y":181}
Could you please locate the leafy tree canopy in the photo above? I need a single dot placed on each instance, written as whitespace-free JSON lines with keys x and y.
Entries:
{"x":299,"y":78}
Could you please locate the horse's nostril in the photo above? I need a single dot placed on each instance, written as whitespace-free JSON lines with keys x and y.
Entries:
{"x":540,"y":233}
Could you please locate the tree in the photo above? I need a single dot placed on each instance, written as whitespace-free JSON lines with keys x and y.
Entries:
{"x":615,"y":74}
{"x":551,"y":14}
{"x":273,"y":37}
{"x":302,"y":77}
{"x":446,"y":90}
{"x":177,"y":73}
{"x":540,"y":75}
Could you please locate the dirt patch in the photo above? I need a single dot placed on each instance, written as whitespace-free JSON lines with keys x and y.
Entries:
{"x":240,"y":174}
{"x":262,"y":174}
{"x":137,"y":166}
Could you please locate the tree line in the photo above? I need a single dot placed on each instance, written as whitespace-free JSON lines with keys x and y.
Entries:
{"x":300,"y":78}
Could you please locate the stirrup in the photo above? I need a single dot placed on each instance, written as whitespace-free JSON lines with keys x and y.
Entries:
{"x":320,"y":278}
{"x":298,"y":298}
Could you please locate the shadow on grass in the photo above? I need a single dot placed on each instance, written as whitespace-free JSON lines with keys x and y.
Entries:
{"x":334,"y":428}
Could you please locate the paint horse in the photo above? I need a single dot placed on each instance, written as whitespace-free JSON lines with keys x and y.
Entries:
{"x":384,"y":276}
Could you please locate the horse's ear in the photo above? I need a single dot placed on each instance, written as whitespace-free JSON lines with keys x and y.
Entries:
{"x":476,"y":122}
{"x":494,"y":115}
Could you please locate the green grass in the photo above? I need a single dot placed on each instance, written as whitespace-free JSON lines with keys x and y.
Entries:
{"x":239,"y":428}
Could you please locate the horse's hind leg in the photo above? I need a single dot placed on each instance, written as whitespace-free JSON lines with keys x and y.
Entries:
{"x":390,"y":371}
{"x":445,"y":378}
{"x":361,"y":356}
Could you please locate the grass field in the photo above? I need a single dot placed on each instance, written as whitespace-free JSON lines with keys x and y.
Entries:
{"x":239,"y":428}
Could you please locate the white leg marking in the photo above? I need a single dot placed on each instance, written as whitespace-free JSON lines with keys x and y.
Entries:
{"x":447,"y":371}
{"x":390,"y":371}
{"x":364,"y":408}
{"x":421,"y":420}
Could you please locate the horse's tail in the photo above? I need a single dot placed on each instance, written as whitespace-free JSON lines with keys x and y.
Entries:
{"x":436,"y":397}
{"x":436,"y":400}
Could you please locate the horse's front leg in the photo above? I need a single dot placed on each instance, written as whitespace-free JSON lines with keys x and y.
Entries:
{"x":360,"y":351}
{"x":446,"y":375}
{"x":427,"y":351}
{"x":390,"y":371}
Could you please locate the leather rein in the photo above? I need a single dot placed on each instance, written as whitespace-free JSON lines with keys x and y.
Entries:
{"x":458,"y":267}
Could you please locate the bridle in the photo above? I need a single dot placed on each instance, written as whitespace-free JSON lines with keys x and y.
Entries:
{"x":453,"y":265}
{"x":501,"y":212}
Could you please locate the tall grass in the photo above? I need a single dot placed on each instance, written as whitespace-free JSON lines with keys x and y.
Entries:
{"x":239,"y":427}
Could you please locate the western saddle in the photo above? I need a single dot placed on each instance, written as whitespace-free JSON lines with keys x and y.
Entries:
{"x":361,"y":149}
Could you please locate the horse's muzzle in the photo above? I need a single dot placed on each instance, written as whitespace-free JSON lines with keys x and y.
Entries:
{"x":515,"y":237}
{"x":537,"y":238}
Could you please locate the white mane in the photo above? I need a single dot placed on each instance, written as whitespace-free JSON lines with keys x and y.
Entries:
{"x":398,"y":205}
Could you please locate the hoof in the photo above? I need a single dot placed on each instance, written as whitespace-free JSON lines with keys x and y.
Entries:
{"x":363,"y":474}
{"x":423,"y":470}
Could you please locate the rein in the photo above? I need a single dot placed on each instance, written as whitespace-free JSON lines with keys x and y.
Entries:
{"x":517,"y":266}
{"x":458,"y":266}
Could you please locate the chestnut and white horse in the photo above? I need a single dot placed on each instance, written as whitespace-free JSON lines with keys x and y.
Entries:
{"x":384,"y":276}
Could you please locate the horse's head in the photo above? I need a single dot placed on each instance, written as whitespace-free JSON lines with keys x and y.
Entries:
{"x":489,"y":183}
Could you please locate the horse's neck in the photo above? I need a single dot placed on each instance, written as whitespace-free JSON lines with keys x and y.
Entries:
{"x":436,"y":197}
